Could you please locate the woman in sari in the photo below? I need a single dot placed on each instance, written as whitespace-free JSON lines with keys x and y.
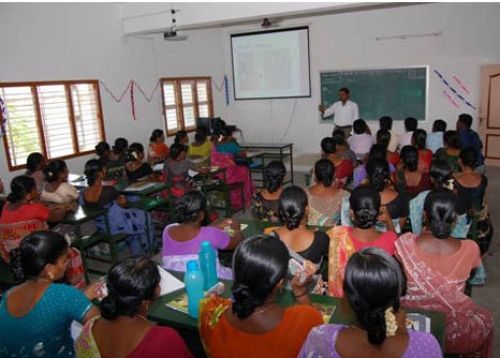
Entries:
{"x":377,"y":151}
{"x":158,"y":150}
{"x":123,"y":329}
{"x":176,"y":170}
{"x":136,"y":169}
{"x":451,"y":151}
{"x":324,"y":198}
{"x":199,"y":151}
{"x":437,"y":267}
{"x":35,"y":164}
{"x":384,"y":138}
{"x":344,"y":241}
{"x":410,"y":179}
{"x":266,"y":201}
{"x":343,"y":167}
{"x":418,"y":140}
{"x":253,"y":324}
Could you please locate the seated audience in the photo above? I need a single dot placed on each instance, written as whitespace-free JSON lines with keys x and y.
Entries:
{"x":253,"y":324}
{"x":181,"y":137}
{"x":227,"y":144}
{"x":158,"y":150}
{"x":383,"y":139}
{"x":437,"y":268}
{"x":176,"y":170}
{"x":434,"y":140}
{"x":378,"y":151}
{"x":312,"y":245}
{"x":373,"y":286}
{"x":451,"y":150}
{"x":103,"y":152}
{"x":362,"y":140}
{"x":36,"y":316}
{"x":343,"y":167}
{"x":119,"y":153}
{"x":342,"y":147}
{"x":469,"y":138}
{"x":35,"y":164}
{"x":385,"y":122}
{"x":199,"y":150}
{"x":181,"y":241}
{"x":123,"y":329}
{"x":344,"y":240}
{"x":471,"y":199}
{"x":56,"y":188}
{"x":266,"y":201}
{"x":411,"y":181}
{"x":411,"y":125}
{"x":136,"y":169}
{"x":424,"y":155}
{"x":120,"y":218}
{"x":324,"y":198}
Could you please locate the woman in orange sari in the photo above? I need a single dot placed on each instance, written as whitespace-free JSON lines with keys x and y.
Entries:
{"x":437,"y":267}
{"x":158,"y":150}
{"x":345,"y":241}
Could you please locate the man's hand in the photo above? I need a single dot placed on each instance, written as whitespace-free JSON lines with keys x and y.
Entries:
{"x":321,"y":108}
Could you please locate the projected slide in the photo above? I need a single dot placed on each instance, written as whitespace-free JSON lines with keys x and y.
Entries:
{"x":271,"y":64}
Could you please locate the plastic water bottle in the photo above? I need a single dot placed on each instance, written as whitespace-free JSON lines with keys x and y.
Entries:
{"x":208,"y":259}
{"x":194,"y":287}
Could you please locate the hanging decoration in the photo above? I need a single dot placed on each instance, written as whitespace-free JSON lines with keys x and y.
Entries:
{"x":117,"y":99}
{"x":3,"y":111}
{"x":132,"y":101}
{"x":453,"y":89}
{"x":452,"y":101}
{"x":226,"y":90}
{"x":462,"y":86}
{"x":146,"y":97}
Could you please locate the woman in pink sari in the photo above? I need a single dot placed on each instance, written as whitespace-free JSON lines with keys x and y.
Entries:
{"x":437,"y":267}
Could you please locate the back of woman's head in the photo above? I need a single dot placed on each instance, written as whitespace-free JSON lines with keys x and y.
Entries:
{"x":409,"y":155}
{"x":439,"y":208}
{"x":338,"y":136}
{"x":34,"y":161}
{"x":451,"y":139}
{"x":377,"y":151}
{"x":274,"y":173}
{"x":259,"y":264}
{"x":20,"y":186}
{"x":383,"y":137}
{"x":53,"y":170}
{"x":439,"y":126}
{"x":292,"y":206}
{"x":176,"y":150}
{"x":328,"y":145}
{"x":101,"y":148}
{"x":180,"y":136}
{"x":200,"y":135}
{"x":190,"y":206}
{"x":120,"y":146}
{"x":468,"y":156}
{"x":373,"y":283}
{"x":324,"y":170}
{"x":137,"y":148}
{"x":440,"y":173}
{"x":419,"y":138}
{"x":359,"y":126}
{"x":378,"y":173}
{"x":36,"y":251}
{"x":411,"y":124}
{"x":157,"y":133}
{"x":92,"y":169}
{"x":385,"y":122}
{"x":227,"y":131}
{"x":365,"y":205}
{"x":129,"y":283}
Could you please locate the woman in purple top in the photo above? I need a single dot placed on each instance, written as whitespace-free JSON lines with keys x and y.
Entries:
{"x":376,"y":152}
{"x":373,"y":285}
{"x":181,"y":241}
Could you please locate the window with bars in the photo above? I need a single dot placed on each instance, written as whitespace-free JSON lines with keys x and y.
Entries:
{"x":184,"y":100}
{"x":59,"y":119}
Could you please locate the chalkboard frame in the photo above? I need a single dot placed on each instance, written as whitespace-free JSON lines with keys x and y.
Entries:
{"x":329,"y":120}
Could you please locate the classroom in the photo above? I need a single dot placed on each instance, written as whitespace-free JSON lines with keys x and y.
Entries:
{"x":222,"y":179}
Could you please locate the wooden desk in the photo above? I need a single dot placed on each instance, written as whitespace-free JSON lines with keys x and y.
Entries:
{"x":343,"y":314}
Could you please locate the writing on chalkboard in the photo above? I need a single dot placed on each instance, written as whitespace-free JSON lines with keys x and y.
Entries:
{"x":396,"y":92}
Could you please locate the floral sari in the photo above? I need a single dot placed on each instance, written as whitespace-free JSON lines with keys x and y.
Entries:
{"x":341,"y":249}
{"x":325,"y":211}
{"x":469,"y":328}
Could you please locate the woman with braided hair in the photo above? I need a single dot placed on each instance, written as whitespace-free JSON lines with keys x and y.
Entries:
{"x":265,"y":202}
{"x":373,"y":285}
{"x":437,"y":267}
{"x":253,"y":324}
{"x":345,"y":241}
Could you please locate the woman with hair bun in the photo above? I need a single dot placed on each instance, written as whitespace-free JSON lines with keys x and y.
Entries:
{"x":118,"y":156}
{"x":451,"y":151}
{"x":135,"y":168}
{"x":35,"y":316}
{"x":181,"y":241}
{"x":293,"y":211}
{"x":373,"y":285}
{"x":418,"y":140}
{"x":433,"y":260}
{"x":343,"y":167}
{"x":35,"y":164}
{"x":324,"y":198}
{"x":344,"y":240}
{"x":123,"y":329}
{"x":265,"y":202}
{"x":56,"y":188}
{"x":410,"y":179}
{"x":253,"y":324}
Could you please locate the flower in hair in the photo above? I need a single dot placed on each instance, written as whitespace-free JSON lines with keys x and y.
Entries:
{"x":391,"y":326}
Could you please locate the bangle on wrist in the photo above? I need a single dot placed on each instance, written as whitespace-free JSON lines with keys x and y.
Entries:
{"x":301,"y":295}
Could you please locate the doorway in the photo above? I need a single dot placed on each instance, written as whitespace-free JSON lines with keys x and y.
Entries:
{"x":489,"y":113}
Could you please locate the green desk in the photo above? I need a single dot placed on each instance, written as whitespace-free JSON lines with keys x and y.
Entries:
{"x":343,"y":313}
{"x":82,"y":215}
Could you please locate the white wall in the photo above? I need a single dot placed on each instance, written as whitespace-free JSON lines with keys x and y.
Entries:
{"x":345,"y":41}
{"x":79,"y":41}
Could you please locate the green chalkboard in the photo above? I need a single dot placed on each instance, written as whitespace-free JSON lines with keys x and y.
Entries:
{"x":399,"y":92}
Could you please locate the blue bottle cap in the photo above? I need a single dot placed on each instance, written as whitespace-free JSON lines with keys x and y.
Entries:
{"x":192,"y":265}
{"x":205,"y":244}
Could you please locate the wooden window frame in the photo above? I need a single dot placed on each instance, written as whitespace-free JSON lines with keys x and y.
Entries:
{"x":67,"y":86}
{"x":179,"y":106}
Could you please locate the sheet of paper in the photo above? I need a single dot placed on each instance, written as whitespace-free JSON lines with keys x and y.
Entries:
{"x":192,"y":173}
{"x":158,"y":167}
{"x":168,"y":282}
{"x":139,"y":186}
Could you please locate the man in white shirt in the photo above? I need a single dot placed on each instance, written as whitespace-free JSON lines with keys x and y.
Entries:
{"x":345,"y":112}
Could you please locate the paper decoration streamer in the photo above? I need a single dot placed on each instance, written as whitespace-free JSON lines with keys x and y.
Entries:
{"x":226,"y":90}
{"x":146,"y":97}
{"x":451,"y":99}
{"x":117,"y":99}
{"x":453,"y":90}
{"x":5,"y":114}
{"x":132,"y":101}
{"x":462,"y":86}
